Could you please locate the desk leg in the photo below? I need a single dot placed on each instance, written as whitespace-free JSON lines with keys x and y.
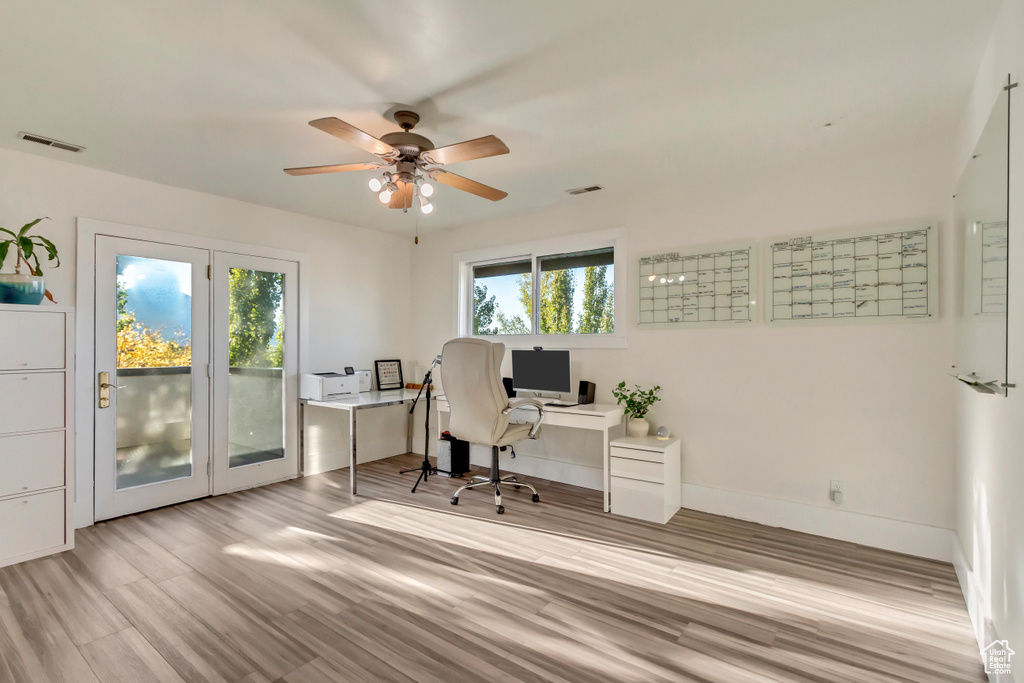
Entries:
{"x":352,"y":450}
{"x":607,"y":472}
{"x":302,"y":438}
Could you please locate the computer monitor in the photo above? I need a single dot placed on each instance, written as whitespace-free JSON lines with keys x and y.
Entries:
{"x":544,"y":370}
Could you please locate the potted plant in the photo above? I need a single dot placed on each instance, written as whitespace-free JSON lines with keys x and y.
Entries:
{"x":637,"y":402}
{"x":17,"y":287}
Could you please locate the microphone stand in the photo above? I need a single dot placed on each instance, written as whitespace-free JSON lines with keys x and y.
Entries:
{"x":425,"y":469}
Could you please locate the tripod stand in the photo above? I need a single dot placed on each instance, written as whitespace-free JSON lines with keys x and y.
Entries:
{"x":425,"y":469}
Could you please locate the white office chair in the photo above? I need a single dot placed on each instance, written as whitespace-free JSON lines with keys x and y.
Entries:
{"x":480,"y":408}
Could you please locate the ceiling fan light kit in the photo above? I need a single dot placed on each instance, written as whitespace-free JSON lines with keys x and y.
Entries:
{"x":414,"y":159}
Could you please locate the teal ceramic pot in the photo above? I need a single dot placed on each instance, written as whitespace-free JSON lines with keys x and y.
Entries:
{"x":21,"y":289}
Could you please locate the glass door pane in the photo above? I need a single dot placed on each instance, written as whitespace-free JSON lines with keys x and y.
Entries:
{"x":154,"y":370}
{"x":256,"y":390}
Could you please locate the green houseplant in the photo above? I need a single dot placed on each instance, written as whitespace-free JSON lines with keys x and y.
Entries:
{"x":18,"y":287}
{"x":637,"y":402}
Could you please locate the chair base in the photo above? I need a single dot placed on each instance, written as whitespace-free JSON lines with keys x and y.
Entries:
{"x":495,"y":480}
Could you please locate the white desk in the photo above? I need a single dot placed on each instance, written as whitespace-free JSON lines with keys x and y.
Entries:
{"x":602,"y":417}
{"x":353,"y":404}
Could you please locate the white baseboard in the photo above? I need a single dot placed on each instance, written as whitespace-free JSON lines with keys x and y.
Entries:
{"x":877,"y":532}
{"x":542,"y":468}
{"x":984,"y":630}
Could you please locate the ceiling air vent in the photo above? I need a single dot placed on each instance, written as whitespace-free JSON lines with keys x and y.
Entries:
{"x":50,"y":142}
{"x":584,"y":190}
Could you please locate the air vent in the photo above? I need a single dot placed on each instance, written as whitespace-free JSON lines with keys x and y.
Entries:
{"x":50,"y":142}
{"x":584,"y":190}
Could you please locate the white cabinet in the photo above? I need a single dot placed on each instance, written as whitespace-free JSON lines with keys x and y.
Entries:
{"x":36,"y":432}
{"x":645,"y":478}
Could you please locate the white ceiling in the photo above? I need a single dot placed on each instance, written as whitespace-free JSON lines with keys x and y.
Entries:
{"x":215,"y":95}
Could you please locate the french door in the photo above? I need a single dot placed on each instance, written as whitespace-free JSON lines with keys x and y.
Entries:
{"x":255,"y":393}
{"x":196,"y":373}
{"x":152,"y":355}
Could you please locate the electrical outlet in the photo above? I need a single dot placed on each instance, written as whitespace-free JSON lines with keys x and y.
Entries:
{"x":837,"y":491}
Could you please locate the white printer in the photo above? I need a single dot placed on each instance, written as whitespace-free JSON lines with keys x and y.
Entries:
{"x":324,"y":386}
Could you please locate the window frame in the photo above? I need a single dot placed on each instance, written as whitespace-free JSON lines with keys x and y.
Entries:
{"x":534,"y":251}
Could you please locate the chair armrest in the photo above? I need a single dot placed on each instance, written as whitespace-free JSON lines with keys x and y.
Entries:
{"x":527,"y":403}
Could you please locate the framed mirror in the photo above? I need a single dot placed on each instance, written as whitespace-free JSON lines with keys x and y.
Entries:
{"x":981,"y":217}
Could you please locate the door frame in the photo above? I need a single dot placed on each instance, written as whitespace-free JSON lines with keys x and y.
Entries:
{"x":85,"y":328}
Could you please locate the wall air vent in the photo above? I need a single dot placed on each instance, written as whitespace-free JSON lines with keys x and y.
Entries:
{"x":50,"y":142}
{"x":584,"y":190}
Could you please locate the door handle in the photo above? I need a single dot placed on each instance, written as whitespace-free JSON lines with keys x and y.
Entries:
{"x":105,"y":387}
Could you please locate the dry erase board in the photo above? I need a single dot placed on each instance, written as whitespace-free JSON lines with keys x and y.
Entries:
{"x":697,"y":286}
{"x":866,"y":274}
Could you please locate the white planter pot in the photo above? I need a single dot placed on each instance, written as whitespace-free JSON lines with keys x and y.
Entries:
{"x":637,"y":427}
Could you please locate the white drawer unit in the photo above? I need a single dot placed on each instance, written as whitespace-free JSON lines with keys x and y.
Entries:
{"x":32,"y":341}
{"x":31,"y":401}
{"x":31,"y":462}
{"x":645,"y":478}
{"x":32,"y":524}
{"x":36,"y":432}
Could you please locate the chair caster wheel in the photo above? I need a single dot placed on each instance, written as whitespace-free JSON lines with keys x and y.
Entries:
{"x":516,"y":487}
{"x":536,"y":498}
{"x":455,"y":500}
{"x":501,"y":509}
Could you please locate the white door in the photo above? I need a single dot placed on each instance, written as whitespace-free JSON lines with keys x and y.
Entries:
{"x":153,"y":343}
{"x":255,"y":406}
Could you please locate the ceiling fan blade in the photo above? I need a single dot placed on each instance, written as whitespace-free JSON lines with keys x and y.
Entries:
{"x":351,"y":134}
{"x":402,"y":198}
{"x":467,"y":185}
{"x":312,"y":170}
{"x":488,"y":146}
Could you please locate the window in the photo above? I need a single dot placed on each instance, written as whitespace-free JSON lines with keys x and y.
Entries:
{"x":554,"y":295}
{"x":503,"y":298}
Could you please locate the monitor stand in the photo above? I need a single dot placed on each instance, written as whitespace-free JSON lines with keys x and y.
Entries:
{"x":554,"y":401}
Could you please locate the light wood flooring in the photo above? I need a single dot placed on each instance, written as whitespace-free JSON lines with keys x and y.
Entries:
{"x":299,"y":581}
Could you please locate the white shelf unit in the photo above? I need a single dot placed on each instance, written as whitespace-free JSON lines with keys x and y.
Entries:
{"x":645,"y":478}
{"x":36,"y":432}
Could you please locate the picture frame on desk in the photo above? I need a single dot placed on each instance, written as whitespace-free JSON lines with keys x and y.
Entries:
{"x":389,"y":374}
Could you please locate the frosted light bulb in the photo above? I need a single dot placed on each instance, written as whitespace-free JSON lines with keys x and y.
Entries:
{"x":375,"y":184}
{"x":426,"y":189}
{"x":384,"y":196}
{"x":425,"y":206}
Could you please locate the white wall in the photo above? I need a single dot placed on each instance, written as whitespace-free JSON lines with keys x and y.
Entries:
{"x":358,"y":279}
{"x":768,"y":415}
{"x":989,"y":551}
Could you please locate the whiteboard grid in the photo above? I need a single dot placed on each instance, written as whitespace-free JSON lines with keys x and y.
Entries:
{"x":864,"y":276}
{"x":683,"y":289}
{"x":994,"y":254}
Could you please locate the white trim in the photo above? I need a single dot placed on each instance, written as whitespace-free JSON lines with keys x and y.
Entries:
{"x":462,"y":263}
{"x":878,"y":532}
{"x":85,"y":261}
{"x":974,"y":597}
{"x":551,"y":469}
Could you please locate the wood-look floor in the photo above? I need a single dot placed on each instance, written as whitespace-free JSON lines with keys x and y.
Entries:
{"x":299,"y":581}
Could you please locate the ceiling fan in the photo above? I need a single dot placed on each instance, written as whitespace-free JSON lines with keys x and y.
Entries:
{"x":415,"y":161}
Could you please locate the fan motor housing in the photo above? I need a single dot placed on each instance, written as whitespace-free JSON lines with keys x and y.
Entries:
{"x":409,"y":144}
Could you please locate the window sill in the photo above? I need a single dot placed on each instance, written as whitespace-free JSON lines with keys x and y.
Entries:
{"x":557,"y":341}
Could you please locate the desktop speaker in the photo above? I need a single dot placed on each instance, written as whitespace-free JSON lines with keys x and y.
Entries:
{"x":507,"y":381}
{"x":587,"y":390}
